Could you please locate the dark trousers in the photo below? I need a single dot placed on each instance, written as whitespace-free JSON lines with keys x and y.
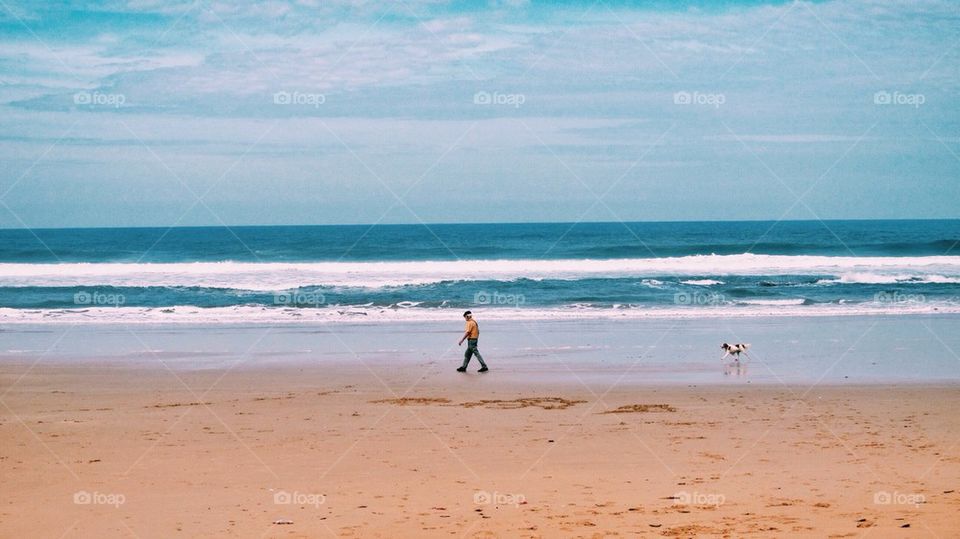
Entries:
{"x":472,"y":351}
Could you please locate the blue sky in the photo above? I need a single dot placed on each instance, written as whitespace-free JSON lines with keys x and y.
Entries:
{"x":150,"y":113}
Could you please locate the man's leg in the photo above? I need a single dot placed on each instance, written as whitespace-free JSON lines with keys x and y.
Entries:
{"x":476,"y":352}
{"x":467,"y":354}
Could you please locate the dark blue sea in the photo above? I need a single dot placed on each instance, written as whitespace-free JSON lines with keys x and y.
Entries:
{"x":506,"y":270}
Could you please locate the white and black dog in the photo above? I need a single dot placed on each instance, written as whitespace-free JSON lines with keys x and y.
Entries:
{"x":734,"y":350}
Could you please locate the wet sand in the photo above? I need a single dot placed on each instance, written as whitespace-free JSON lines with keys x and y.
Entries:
{"x":377,"y":451}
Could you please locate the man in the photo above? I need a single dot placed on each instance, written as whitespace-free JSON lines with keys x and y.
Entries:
{"x":471,"y":334}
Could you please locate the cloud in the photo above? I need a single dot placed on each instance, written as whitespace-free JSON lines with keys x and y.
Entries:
{"x":194,"y":53}
{"x":396,"y":82}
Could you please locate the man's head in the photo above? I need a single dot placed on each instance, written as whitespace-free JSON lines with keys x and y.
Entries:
{"x":467,"y":315}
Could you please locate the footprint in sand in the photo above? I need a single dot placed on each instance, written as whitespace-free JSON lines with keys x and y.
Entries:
{"x":641,"y":408}
{"x":177,"y":404}
{"x":546,"y":403}
{"x":410,"y":401}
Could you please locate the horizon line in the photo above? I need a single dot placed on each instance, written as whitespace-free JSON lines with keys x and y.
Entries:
{"x":572,"y":223}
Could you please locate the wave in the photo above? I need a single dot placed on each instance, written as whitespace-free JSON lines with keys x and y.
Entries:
{"x":774,"y":302}
{"x":702,"y":282}
{"x":878,"y":278}
{"x":249,"y":314}
{"x":828,"y":247}
{"x":273,"y":276}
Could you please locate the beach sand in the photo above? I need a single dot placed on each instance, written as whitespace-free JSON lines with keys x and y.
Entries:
{"x":304,"y":451}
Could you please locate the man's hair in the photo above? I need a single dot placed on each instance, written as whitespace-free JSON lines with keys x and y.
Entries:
{"x":467,"y":313}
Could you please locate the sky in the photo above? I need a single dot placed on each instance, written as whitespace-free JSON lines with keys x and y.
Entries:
{"x":182,"y":113}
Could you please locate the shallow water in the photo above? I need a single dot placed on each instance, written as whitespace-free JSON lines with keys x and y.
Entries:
{"x":599,"y":353}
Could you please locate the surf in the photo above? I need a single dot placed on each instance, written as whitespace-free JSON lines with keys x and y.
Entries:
{"x":269,"y":276}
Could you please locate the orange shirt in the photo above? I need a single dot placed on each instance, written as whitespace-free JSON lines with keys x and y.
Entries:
{"x":472,"y":329}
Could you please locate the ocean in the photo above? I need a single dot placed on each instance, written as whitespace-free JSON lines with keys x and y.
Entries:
{"x":506,"y":271}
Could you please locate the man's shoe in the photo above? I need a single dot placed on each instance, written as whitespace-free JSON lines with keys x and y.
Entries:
{"x":483,"y":369}
{"x":461,"y":369}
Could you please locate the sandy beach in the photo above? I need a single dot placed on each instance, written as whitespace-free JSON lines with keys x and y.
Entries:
{"x":377,"y":451}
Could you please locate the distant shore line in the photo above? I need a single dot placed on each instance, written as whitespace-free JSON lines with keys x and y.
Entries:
{"x":374,"y":315}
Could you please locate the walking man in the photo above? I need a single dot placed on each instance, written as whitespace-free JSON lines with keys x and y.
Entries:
{"x":471,"y":334}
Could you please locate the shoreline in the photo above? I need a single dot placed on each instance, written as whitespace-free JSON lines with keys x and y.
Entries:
{"x":247,"y":315}
{"x":784,"y":351}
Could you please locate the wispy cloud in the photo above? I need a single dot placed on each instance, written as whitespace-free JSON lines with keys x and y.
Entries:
{"x":397,"y":82}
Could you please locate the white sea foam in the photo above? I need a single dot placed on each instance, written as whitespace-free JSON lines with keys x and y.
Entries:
{"x":771,"y":302}
{"x":702,"y":282}
{"x":264,"y":315}
{"x":285,"y":276}
{"x":892,"y":278}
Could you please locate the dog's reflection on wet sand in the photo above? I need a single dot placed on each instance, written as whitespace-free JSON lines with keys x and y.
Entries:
{"x":735,"y":368}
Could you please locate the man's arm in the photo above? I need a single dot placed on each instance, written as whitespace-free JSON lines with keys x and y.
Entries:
{"x":465,"y":335}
